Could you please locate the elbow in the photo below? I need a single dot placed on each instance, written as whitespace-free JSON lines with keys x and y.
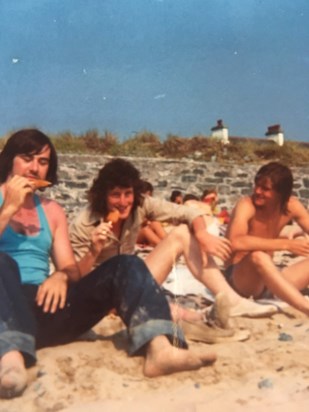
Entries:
{"x":236,"y":244}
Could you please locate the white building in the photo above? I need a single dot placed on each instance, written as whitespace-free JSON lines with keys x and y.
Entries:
{"x":220,"y":132}
{"x":275,"y":133}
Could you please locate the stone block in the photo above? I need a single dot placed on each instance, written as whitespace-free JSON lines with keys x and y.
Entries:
{"x":306,"y":182}
{"x":188,"y":178}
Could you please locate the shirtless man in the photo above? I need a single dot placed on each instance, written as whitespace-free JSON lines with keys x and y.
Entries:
{"x":254,"y":232}
{"x":39,"y":309}
{"x":94,"y":238}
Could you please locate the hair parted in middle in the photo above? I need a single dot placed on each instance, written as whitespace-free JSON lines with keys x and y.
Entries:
{"x":116,"y":173}
{"x":281,"y":178}
{"x":27,"y":142}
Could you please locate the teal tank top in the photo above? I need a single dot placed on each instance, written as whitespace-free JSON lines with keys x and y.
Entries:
{"x":30,"y":252}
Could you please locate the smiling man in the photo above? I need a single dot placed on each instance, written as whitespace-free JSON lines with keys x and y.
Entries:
{"x":254,"y":232}
{"x":39,"y":308}
{"x":94,"y":238}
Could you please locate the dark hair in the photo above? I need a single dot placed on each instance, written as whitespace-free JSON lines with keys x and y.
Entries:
{"x":146,"y":186}
{"x":175,"y":194}
{"x":281,"y":178}
{"x":116,"y":173}
{"x":27,"y":141}
{"x":210,"y":190}
{"x":189,"y":196}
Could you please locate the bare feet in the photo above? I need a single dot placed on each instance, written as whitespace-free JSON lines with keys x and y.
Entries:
{"x":163,"y":359}
{"x":13,"y":375}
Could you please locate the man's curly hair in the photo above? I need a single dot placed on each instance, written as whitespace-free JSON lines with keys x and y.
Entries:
{"x":116,"y":173}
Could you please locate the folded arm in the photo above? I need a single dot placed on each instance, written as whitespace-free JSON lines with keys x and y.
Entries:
{"x":241,"y":240}
{"x":210,"y":244}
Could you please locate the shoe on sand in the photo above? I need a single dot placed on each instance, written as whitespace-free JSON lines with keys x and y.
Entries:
{"x":201,"y":332}
{"x":13,"y":382}
{"x":250,"y":309}
{"x":219,"y":312}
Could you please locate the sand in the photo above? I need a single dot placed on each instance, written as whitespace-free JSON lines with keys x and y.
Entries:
{"x":268,"y":372}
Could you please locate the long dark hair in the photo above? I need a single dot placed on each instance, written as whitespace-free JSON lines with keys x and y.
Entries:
{"x":27,"y":141}
{"x":281,"y":178}
{"x":116,"y":173}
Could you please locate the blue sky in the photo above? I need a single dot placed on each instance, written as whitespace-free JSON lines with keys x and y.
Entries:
{"x":168,"y":66}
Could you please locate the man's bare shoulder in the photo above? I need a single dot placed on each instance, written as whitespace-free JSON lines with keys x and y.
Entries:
{"x":51,"y":205}
{"x":245,"y":203}
{"x":295,"y":207}
{"x":53,"y":210}
{"x":293,"y":202}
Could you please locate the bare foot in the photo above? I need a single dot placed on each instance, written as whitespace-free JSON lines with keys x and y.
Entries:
{"x":13,"y":375}
{"x":163,"y":359}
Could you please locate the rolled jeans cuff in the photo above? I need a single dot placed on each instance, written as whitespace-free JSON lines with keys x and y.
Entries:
{"x":19,"y":341}
{"x":143,"y":334}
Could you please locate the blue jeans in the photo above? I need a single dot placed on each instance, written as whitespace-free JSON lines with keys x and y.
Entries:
{"x":123,"y":282}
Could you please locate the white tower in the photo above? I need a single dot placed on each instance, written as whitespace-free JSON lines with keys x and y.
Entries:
{"x":220,"y":132}
{"x":275,"y":133}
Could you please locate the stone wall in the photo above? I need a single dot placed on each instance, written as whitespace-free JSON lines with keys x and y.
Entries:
{"x":232,"y":181}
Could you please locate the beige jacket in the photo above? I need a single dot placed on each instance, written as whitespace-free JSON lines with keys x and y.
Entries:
{"x":151,"y":209}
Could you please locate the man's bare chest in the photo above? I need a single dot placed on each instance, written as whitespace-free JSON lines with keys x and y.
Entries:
{"x":26,"y":222}
{"x":267,"y":226}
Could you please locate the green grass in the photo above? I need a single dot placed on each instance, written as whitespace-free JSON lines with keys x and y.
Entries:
{"x":148,"y":144}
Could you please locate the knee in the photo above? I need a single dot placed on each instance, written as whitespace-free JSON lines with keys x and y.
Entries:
{"x":180,"y":234}
{"x":259,"y":258}
{"x":133,"y":268}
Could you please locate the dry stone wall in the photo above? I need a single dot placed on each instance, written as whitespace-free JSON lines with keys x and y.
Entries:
{"x":76,"y":173}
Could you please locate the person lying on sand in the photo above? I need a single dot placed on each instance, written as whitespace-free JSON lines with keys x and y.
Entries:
{"x":94,"y":238}
{"x":254,"y":233}
{"x":38,"y":309}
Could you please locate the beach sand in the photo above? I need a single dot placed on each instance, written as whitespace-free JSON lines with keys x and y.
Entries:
{"x":268,"y":372}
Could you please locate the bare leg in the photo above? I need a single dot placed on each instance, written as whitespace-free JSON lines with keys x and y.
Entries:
{"x":257,"y":270}
{"x":158,"y":229}
{"x":148,"y":236}
{"x":180,"y":241}
{"x":13,"y":375}
{"x":163,"y":359}
{"x":297,"y":274}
